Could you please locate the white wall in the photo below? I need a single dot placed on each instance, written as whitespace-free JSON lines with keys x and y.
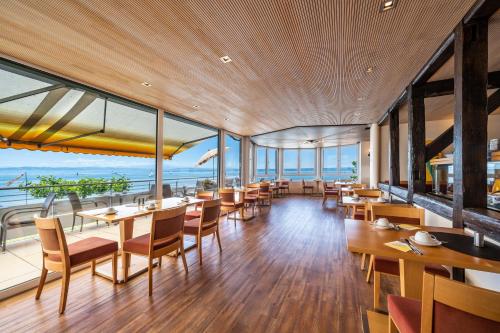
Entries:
{"x":364,"y":162}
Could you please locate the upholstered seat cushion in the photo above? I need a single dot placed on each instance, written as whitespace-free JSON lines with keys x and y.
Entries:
{"x":191,"y":226}
{"x":250,"y":199}
{"x":230,"y":205}
{"x":192,"y":214}
{"x":405,"y":312}
{"x":87,"y":250}
{"x":140,"y":244}
{"x":331,"y":192}
{"x":391,"y":266}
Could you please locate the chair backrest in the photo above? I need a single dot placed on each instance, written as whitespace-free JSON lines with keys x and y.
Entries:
{"x":210,"y":213}
{"x":167,"y":224}
{"x":227,"y":195}
{"x":399,"y":214}
{"x":254,"y":185}
{"x":264,"y":187}
{"x":368,"y":193}
{"x":204,"y":195}
{"x":357,"y":185}
{"x":49,"y":201}
{"x":54,"y":246}
{"x":75,"y":202}
{"x":451,"y":306}
{"x":284,"y":182}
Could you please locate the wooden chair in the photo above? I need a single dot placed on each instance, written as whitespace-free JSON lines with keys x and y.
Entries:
{"x":307,"y":187}
{"x":207,"y":224}
{"x":166,"y":236}
{"x":368,"y":193}
{"x":446,"y":306}
{"x":395,"y":214}
{"x":58,"y":256}
{"x":284,"y":185}
{"x":330,"y":193}
{"x":229,"y":204}
{"x":196,"y":213}
{"x":251,"y":197}
{"x":265,"y":194}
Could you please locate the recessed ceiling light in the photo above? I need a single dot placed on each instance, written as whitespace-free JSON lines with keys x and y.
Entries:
{"x":196,"y":106}
{"x":357,"y":114}
{"x":225,"y":59}
{"x":387,"y":4}
{"x":226,"y":119}
{"x":361,"y":98}
{"x":369,"y":70}
{"x":146,"y":84}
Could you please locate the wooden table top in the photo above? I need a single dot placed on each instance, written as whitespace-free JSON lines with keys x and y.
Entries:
{"x":347,"y":200}
{"x":365,"y":238}
{"x":132,"y":210}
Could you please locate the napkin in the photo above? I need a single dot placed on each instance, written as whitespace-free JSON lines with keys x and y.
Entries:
{"x":409,"y":227}
{"x":398,"y":245}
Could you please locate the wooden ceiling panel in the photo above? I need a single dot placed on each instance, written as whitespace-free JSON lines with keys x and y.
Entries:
{"x":295,"y":62}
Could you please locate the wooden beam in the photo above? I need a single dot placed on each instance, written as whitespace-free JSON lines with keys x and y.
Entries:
{"x":471,"y":118}
{"x":482,"y":10}
{"x":446,"y":138}
{"x":446,"y":87}
{"x":440,"y":57}
{"x":416,"y":141}
{"x":394,"y":147}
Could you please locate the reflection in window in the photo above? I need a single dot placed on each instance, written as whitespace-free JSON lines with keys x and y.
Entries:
{"x":340,"y":163}
{"x":290,"y":161}
{"x":233,"y":161}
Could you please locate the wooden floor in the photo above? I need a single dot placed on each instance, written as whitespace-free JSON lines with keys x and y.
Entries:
{"x":287,"y":270}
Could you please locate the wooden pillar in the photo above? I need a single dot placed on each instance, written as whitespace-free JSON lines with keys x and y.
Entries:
{"x":374,"y":155}
{"x":394,"y":147}
{"x":470,"y":138}
{"x":416,"y":141}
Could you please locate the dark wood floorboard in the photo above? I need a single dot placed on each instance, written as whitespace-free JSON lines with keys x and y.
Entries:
{"x":287,"y":270}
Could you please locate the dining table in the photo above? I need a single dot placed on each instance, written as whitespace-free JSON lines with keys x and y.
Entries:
{"x":125,"y":215}
{"x":352,"y":204}
{"x":239,"y":197}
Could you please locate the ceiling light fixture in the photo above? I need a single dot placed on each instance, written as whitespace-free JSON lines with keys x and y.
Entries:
{"x":361,"y":98}
{"x":196,"y":106}
{"x":225,"y":59}
{"x":226,"y":119}
{"x":146,"y":84}
{"x":387,"y":4}
{"x":369,"y":70}
{"x":357,"y":114}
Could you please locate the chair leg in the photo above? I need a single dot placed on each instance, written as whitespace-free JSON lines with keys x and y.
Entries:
{"x":200,"y":249}
{"x":41,"y":283}
{"x":114,"y":266}
{"x":392,"y":326}
{"x":159,"y":261}
{"x":74,"y":220}
{"x":125,"y":266}
{"x":81,"y":223}
{"x":183,"y":257}
{"x":92,"y":267}
{"x":363,"y":259}
{"x":376,"y":290}
{"x":370,"y":268}
{"x":150,"y":276}
{"x":218,"y":239}
{"x":64,"y":290}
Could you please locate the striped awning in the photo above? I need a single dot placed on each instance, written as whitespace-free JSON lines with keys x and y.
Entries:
{"x":50,"y":116}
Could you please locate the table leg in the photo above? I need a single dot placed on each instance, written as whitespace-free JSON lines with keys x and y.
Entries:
{"x":126,"y":232}
{"x":411,"y":278}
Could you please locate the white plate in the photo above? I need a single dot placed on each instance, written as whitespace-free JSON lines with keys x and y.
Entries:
{"x":382,"y":227}
{"x":433,"y":243}
{"x":110,"y":212}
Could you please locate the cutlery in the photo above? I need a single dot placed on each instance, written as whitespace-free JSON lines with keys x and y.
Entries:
{"x":412,"y":247}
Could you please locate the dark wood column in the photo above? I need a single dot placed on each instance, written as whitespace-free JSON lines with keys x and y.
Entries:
{"x":394,"y":147}
{"x":416,"y":141}
{"x":470,"y":137}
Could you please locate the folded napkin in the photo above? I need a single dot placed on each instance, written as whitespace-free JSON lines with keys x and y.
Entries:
{"x":398,"y":245}
{"x":409,"y":227}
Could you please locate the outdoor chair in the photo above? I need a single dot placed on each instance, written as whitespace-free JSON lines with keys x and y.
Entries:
{"x":77,"y":206}
{"x":16,"y":217}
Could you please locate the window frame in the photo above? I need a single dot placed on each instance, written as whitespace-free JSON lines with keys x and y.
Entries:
{"x":338,"y":174}
{"x":266,"y":162}
{"x":299,"y":173}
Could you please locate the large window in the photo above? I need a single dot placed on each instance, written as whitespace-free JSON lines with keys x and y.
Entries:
{"x":340,"y":163}
{"x":190,"y":157}
{"x":233,"y":161}
{"x":63,"y":148}
{"x":299,"y":163}
{"x":266,"y":162}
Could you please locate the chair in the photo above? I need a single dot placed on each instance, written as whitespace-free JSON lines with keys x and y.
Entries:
{"x":252,"y":196}
{"x":284,"y":185}
{"x":166,"y":236}
{"x":61,"y":257}
{"x":395,"y":214}
{"x":203,"y":195}
{"x":229,"y":204}
{"x":446,"y":306}
{"x":306,"y":187}
{"x":9,"y":223}
{"x":365,"y":193}
{"x":207,"y":224}
{"x":265,"y":194}
{"x":77,"y":206}
{"x":330,"y":193}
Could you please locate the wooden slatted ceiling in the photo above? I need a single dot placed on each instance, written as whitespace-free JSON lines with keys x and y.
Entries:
{"x":294,"y":62}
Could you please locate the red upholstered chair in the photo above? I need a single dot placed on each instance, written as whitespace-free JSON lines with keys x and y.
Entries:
{"x":166,"y":236}
{"x":229,"y":204}
{"x":395,"y":214}
{"x":207,"y":224}
{"x":307,"y":187}
{"x":329,"y":192}
{"x":196,"y":213}
{"x":284,"y":186}
{"x":446,"y":306}
{"x":252,"y":196}
{"x":58,"y":256}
